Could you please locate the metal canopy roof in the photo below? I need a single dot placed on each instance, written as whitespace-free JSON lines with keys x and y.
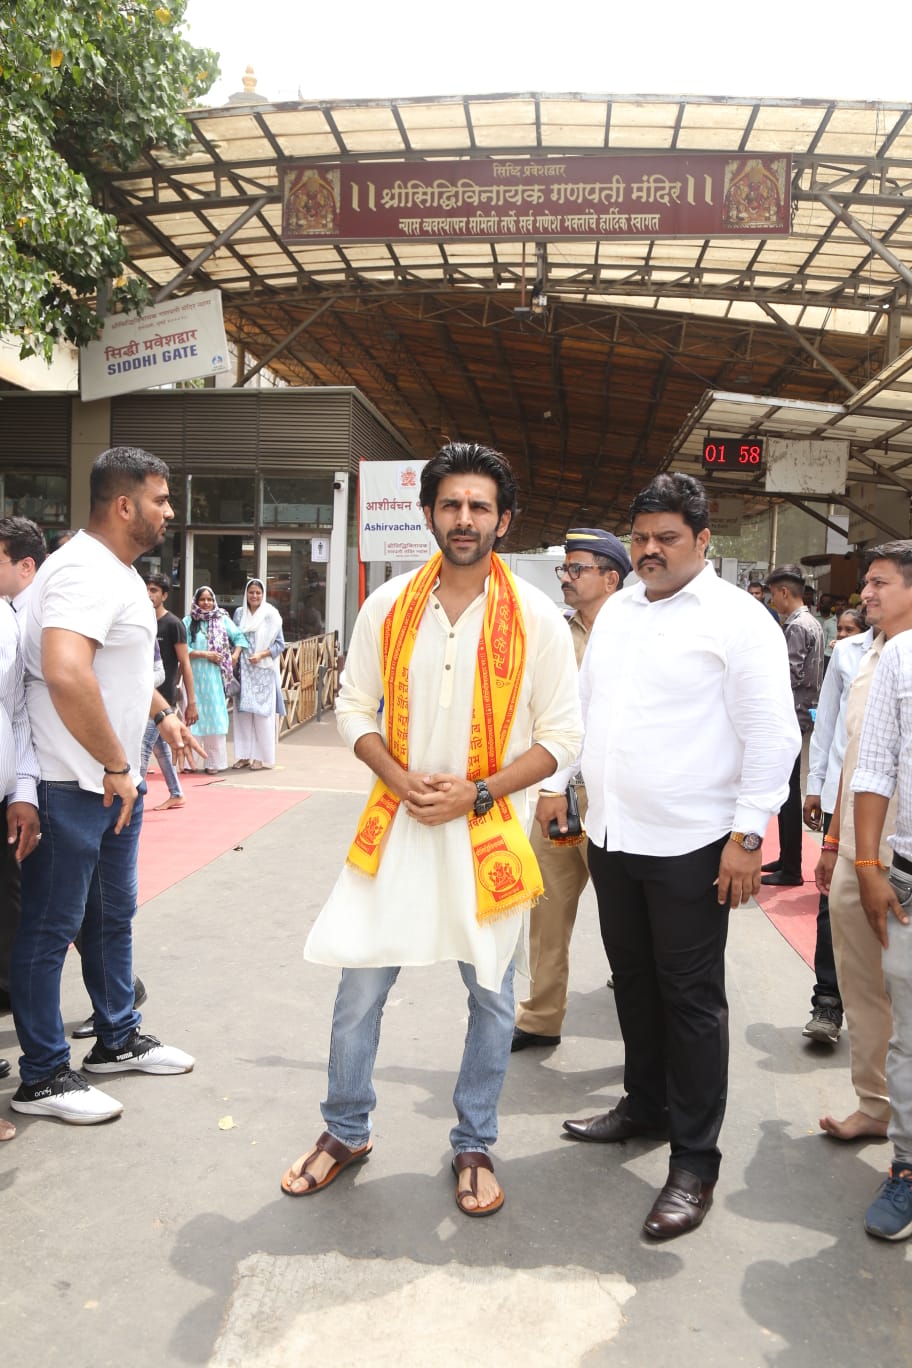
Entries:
{"x":876,"y":422}
{"x":588,"y":397}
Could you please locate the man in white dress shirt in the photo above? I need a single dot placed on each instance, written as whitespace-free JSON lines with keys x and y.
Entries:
{"x":478,"y":679}
{"x":22,"y":551}
{"x":690,"y":738}
{"x":18,"y":780}
{"x":884,"y":769}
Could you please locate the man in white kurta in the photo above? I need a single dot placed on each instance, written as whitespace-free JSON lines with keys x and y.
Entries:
{"x":421,"y":907}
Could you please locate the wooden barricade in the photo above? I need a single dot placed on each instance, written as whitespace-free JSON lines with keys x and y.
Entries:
{"x":309,"y":675}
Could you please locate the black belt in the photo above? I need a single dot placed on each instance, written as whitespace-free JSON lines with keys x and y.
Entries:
{"x":902,"y":863}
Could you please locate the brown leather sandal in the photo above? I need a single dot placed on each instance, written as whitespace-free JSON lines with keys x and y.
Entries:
{"x":474,"y":1160}
{"x":327,"y":1144}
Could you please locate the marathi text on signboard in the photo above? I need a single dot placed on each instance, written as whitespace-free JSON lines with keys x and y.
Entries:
{"x":649,"y":195}
{"x":181,"y":339}
{"x":392,"y":525}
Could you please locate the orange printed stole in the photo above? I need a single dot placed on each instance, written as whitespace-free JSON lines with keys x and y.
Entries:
{"x":507,"y":876}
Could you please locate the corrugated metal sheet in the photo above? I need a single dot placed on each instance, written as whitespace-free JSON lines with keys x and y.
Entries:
{"x":142,"y":420}
{"x":276,"y":432}
{"x":371,"y":439}
{"x":35,"y":436}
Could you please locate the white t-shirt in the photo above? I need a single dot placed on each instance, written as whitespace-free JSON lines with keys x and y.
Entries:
{"x":85,"y":588}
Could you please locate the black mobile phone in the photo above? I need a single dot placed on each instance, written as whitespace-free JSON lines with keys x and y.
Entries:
{"x":574,"y":825}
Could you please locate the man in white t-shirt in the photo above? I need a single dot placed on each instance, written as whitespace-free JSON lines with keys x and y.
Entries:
{"x":88,"y":661}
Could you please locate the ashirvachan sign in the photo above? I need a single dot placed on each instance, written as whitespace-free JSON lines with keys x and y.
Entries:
{"x":621,"y":195}
{"x":182,"y":339}
{"x":392,"y":525}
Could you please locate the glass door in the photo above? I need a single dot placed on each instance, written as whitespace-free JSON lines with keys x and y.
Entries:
{"x":223,"y":560}
{"x":295,"y":569}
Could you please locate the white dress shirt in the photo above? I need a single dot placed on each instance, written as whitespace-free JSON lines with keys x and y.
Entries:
{"x":690,"y":725}
{"x":18,"y":763}
{"x":885,"y":754}
{"x":828,"y":739}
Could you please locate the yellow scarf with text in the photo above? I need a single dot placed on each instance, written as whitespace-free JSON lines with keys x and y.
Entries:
{"x":507,"y":876}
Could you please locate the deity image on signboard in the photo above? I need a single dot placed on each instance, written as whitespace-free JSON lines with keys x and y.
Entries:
{"x":311,"y":201}
{"x":755,"y":193}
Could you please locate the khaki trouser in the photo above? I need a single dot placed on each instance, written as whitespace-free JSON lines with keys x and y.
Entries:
{"x":565,"y":875}
{"x":859,"y":969}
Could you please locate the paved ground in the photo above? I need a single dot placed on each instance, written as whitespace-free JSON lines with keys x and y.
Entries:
{"x":164,"y":1239}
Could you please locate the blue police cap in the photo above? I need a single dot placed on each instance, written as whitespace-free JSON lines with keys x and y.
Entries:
{"x":600,"y":543}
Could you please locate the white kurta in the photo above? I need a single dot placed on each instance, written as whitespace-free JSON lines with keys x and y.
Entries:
{"x":421,"y":906}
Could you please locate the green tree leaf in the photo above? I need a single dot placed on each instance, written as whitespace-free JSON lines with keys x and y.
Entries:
{"x":84,"y":85}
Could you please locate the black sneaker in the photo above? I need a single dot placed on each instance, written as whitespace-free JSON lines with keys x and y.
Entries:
{"x":66,"y":1095}
{"x":144,"y":1053}
{"x":825,"y":1023}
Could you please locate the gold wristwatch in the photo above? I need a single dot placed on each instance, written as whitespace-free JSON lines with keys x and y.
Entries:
{"x":747,"y":840}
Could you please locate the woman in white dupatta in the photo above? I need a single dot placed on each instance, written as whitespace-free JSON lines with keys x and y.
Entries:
{"x":260,"y":698}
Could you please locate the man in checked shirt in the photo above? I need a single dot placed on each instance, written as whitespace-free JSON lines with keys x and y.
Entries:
{"x":885,"y":767}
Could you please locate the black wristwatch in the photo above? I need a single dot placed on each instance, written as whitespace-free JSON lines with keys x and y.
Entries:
{"x":160,"y":716}
{"x":484,"y":801}
{"x":747,"y":840}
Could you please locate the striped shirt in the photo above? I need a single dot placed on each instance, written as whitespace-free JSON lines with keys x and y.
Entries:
{"x":885,"y":755}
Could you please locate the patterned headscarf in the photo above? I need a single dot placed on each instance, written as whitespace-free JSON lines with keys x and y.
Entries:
{"x":216,"y":634}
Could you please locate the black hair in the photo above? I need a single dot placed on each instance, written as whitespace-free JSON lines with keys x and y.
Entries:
{"x":22,"y":538}
{"x":899,"y":552}
{"x":119,"y":470}
{"x":470,"y":458}
{"x":162,"y":581}
{"x":674,"y":494}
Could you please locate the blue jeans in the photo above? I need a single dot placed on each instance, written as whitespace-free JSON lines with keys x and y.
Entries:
{"x":152,"y":741}
{"x":353,"y":1049}
{"x":81,"y":876}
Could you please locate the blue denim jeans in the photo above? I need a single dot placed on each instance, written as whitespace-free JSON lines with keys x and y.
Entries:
{"x":353,"y":1049}
{"x":81,"y":876}
{"x":153,"y":743}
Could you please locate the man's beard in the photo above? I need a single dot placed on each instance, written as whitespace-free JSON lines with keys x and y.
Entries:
{"x":469,"y":555}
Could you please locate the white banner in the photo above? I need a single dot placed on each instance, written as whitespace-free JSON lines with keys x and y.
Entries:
{"x":726,"y":514}
{"x":181,"y":339}
{"x":392,"y":524}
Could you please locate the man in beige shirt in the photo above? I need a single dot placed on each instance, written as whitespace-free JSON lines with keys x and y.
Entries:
{"x":888,"y":604}
{"x":595,"y":567}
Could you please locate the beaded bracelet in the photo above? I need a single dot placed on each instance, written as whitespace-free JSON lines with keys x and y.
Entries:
{"x":868,"y":864}
{"x":830,"y":843}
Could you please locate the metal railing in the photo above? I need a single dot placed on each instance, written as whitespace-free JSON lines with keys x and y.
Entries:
{"x":309,"y":678}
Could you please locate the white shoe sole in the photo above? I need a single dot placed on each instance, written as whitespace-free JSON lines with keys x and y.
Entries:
{"x":73,"y":1118}
{"x":821,"y":1036}
{"x":137,"y":1066}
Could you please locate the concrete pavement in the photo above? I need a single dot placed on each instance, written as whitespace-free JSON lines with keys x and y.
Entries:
{"x":163,"y":1238}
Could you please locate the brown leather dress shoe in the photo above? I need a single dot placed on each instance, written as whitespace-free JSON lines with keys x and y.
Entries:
{"x":612,"y":1126}
{"x":680,"y":1206}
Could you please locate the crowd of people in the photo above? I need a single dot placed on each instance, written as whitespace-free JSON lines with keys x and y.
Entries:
{"x":661,"y":722}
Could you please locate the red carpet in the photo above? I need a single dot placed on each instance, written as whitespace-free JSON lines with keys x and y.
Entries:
{"x":793,"y":911}
{"x":214,"y":819}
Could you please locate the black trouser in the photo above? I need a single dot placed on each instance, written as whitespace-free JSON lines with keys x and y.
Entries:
{"x":9,"y":900}
{"x":790,"y":826}
{"x":664,"y":933}
{"x":824,"y":959}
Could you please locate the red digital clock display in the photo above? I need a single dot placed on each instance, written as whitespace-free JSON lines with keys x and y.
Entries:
{"x":743,"y":454}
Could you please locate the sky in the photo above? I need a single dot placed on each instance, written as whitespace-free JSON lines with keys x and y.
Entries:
{"x":363,"y":49}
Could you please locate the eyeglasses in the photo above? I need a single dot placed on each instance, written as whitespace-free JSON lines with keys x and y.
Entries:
{"x":574,"y":571}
